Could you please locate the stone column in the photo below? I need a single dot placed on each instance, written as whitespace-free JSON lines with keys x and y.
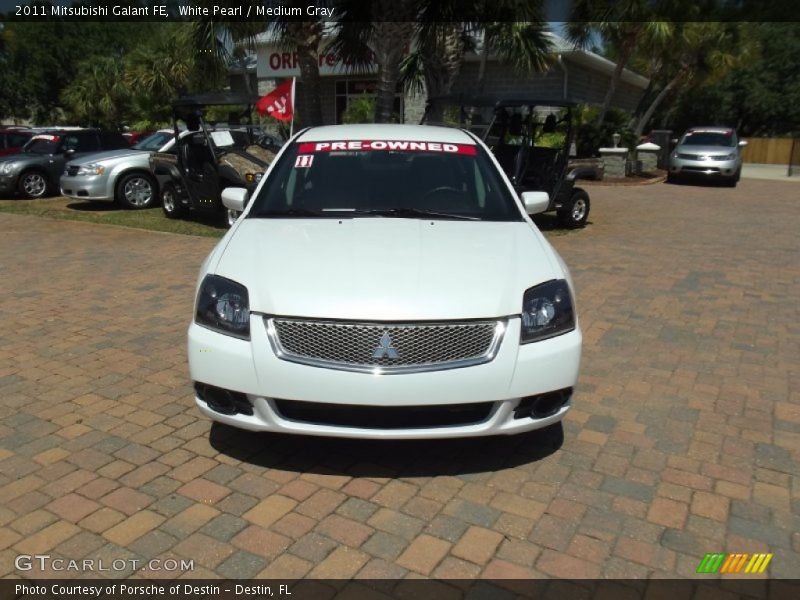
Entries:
{"x":614,"y":159}
{"x":647,"y":157}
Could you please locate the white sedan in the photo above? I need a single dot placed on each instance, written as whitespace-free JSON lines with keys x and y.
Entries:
{"x":385,"y":281}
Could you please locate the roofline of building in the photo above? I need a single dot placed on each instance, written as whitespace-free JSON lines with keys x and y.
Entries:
{"x":561,"y":47}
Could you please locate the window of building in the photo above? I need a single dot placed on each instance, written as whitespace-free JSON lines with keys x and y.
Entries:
{"x":348,"y":90}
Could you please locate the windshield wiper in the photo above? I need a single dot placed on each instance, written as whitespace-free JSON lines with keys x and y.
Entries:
{"x":290,"y":212}
{"x":413,"y":212}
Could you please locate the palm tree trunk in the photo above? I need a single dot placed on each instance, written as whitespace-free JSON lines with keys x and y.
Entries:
{"x":306,"y":36}
{"x":441,"y":59}
{"x":391,"y":41}
{"x":645,"y":118}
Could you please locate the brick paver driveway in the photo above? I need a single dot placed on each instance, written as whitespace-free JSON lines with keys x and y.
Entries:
{"x":684,"y":438}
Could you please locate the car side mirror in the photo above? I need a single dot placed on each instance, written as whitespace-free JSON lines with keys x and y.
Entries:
{"x":535,"y":202}
{"x":743,"y":143}
{"x":235,"y":198}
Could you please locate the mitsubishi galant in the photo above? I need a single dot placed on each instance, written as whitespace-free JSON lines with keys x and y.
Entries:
{"x":384,"y":281}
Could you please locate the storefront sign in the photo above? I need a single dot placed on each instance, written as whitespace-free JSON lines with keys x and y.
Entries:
{"x":275,"y":62}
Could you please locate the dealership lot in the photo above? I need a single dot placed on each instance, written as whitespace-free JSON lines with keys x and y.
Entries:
{"x":684,"y":438}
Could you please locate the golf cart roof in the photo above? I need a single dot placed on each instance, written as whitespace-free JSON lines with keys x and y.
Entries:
{"x":498,"y":102}
{"x":219,"y":99}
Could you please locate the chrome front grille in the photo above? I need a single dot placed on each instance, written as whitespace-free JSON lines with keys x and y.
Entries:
{"x":385,"y":347}
{"x":689,"y":156}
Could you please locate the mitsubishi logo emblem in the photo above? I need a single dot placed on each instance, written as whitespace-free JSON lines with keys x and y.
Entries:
{"x":385,"y":348}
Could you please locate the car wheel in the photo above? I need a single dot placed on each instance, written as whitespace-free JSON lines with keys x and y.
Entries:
{"x":231,"y":216}
{"x":136,"y":190}
{"x":33,"y":184}
{"x":576,"y":213}
{"x":170,"y":202}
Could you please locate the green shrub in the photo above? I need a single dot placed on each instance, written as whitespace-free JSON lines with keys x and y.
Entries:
{"x":360,"y":110}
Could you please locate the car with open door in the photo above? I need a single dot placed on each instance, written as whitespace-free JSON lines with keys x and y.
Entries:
{"x":122,"y":176}
{"x":210,"y":158}
{"x":532,"y":141}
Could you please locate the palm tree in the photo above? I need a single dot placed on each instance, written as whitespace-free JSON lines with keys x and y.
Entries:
{"x":98,"y":94}
{"x":698,"y":53}
{"x":622,"y":26}
{"x":443,"y":40}
{"x":305,"y":38}
{"x":383,"y":31}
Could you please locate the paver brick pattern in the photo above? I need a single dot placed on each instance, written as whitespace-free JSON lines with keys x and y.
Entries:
{"x":684,"y":438}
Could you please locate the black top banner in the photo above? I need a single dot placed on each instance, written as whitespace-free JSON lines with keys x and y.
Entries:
{"x":375,"y":10}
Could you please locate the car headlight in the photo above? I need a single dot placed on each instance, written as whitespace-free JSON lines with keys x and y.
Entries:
{"x":223,"y":305}
{"x":8,"y":167}
{"x":91,"y":169}
{"x":547,"y":311}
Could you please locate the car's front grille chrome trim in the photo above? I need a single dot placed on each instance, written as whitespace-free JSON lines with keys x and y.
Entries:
{"x":385,"y":348}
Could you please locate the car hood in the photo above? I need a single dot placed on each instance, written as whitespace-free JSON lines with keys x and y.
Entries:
{"x":689,"y":149}
{"x":107,"y":155}
{"x":21,"y":156}
{"x":386,"y":268}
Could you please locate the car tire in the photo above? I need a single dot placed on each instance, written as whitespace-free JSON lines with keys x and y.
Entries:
{"x":576,"y":213}
{"x":672,"y":178}
{"x":170,"y":202}
{"x":136,"y":191}
{"x":33,"y":184}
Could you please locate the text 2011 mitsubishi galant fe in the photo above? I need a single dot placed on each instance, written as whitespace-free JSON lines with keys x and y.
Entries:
{"x":385,"y":281}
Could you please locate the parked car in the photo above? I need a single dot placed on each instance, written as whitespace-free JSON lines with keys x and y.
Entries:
{"x":711,"y":153}
{"x":123,"y":175}
{"x":531,"y":140}
{"x":12,"y":139}
{"x":35,"y":171}
{"x":209,"y":159}
{"x":385,"y":282}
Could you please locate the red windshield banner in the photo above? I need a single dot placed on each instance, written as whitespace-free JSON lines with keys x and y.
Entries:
{"x":390,"y":145}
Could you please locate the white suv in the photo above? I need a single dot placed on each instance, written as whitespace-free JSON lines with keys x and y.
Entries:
{"x":385,"y":281}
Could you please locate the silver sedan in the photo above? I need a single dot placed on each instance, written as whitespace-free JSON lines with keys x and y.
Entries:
{"x":121,"y":175}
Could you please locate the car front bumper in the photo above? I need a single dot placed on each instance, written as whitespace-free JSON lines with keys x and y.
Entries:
{"x":722,"y":169}
{"x":89,"y":187}
{"x":8,"y":183}
{"x":517,"y":372}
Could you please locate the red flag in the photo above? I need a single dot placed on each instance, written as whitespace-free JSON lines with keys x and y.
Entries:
{"x":279,"y":103}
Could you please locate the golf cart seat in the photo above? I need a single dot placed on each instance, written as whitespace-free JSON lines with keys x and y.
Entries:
{"x":196,"y":154}
{"x":542,"y":169}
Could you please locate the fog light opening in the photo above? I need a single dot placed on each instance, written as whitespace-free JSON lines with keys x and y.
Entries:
{"x":542,"y":405}
{"x":225,"y":402}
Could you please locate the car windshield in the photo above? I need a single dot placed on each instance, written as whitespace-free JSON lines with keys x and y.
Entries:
{"x":386,"y":179}
{"x":153,"y":142}
{"x":709,"y":138}
{"x":42,"y":145}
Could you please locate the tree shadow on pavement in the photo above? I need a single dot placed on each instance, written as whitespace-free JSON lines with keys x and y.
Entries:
{"x":386,"y":458}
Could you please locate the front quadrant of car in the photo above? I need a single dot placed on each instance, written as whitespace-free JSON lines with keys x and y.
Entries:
{"x":384,"y":281}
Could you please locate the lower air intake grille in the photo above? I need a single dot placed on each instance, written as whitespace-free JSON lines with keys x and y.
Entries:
{"x":384,"y":417}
